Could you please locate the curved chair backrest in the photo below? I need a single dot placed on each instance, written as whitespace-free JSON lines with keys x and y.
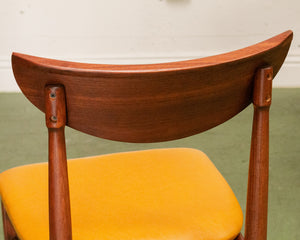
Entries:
{"x":155,"y":102}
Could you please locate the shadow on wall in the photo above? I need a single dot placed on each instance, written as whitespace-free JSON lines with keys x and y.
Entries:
{"x":178,"y":2}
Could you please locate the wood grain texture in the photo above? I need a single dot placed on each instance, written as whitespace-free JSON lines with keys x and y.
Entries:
{"x":155,"y":102}
{"x":258,"y":177}
{"x":59,"y":199}
{"x":8,"y":229}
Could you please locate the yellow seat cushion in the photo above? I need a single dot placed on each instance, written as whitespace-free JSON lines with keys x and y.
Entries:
{"x":153,"y":194}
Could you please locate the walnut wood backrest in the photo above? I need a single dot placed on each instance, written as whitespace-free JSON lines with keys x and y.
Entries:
{"x":154,"y":102}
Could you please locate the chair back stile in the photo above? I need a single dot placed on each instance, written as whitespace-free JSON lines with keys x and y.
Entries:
{"x":258,"y":177}
{"x":59,"y":197}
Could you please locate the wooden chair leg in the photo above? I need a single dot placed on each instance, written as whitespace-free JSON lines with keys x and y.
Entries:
{"x":9,"y":231}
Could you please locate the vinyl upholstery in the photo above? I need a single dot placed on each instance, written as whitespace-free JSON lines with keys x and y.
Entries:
{"x":153,"y":194}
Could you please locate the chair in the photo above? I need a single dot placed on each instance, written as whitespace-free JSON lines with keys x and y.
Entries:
{"x":153,"y":194}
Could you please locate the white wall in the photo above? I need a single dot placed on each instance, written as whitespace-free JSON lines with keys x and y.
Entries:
{"x":143,"y":31}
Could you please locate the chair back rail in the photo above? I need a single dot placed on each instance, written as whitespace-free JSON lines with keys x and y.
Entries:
{"x":154,"y":102}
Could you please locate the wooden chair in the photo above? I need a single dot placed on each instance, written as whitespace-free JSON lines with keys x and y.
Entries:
{"x":155,"y":194}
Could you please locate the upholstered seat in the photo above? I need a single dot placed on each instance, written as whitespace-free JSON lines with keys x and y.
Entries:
{"x":153,"y":194}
